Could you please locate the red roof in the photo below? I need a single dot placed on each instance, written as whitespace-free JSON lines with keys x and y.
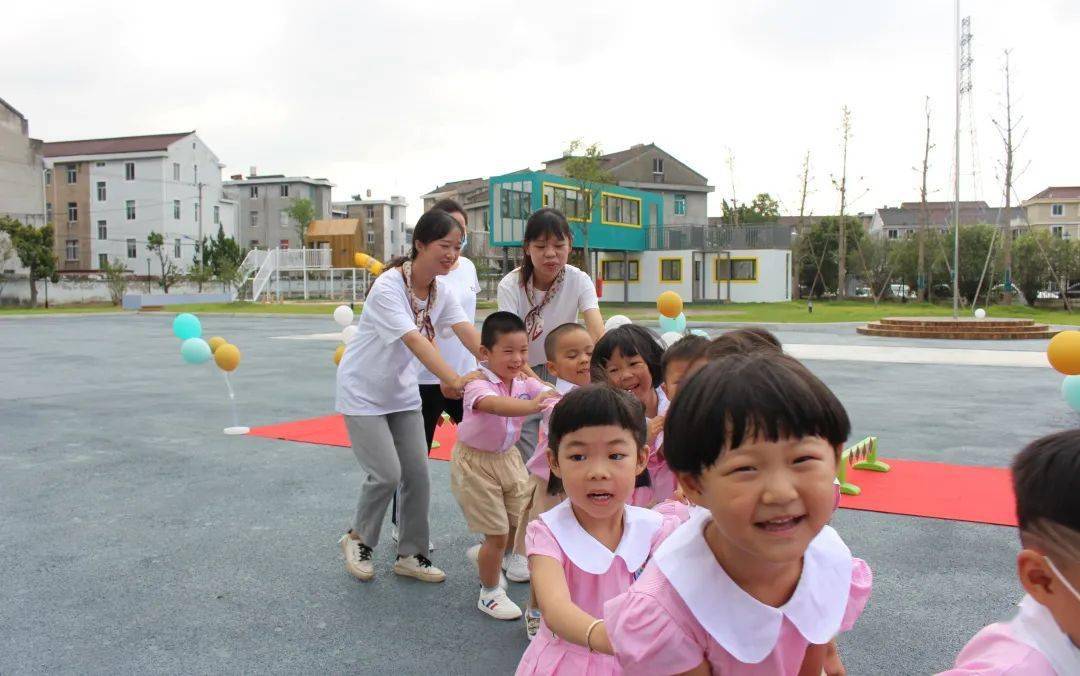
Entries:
{"x":1061,"y":192}
{"x":108,"y":146}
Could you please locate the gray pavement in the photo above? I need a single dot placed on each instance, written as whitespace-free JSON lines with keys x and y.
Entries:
{"x":136,"y":538}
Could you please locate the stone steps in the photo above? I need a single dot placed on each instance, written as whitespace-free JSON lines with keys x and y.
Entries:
{"x":957,"y":329}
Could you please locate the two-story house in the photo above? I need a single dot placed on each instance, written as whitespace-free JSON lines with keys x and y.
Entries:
{"x":1056,"y":209}
{"x":263,"y":203}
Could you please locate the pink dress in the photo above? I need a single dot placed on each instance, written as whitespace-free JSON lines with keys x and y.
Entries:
{"x":594,"y":575}
{"x":684,"y":609}
{"x":538,"y":463}
{"x":1031,"y":644}
{"x":660,"y":475}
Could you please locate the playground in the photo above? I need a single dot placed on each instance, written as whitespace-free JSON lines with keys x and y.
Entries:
{"x":136,"y":537}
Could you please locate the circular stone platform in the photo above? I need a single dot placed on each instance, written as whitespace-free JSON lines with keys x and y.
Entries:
{"x":957,"y":329}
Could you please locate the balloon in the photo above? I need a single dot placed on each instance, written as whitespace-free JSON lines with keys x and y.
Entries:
{"x":1070,"y":390}
{"x":676,"y":324}
{"x":338,"y":352}
{"x":375,"y":268}
{"x":194,"y":350}
{"x":216,"y":342}
{"x":1064,"y":352}
{"x":615,"y":321}
{"x":349,"y":332}
{"x":360,"y":259}
{"x":227,"y":357}
{"x":670,"y":338}
{"x":700,"y":332}
{"x":186,"y":325}
{"x":343,"y":315}
{"x":980,"y":314}
{"x":669,"y":304}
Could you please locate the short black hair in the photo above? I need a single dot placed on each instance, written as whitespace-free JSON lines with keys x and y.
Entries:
{"x":630,"y":340}
{"x":1046,"y":480}
{"x":689,"y":348}
{"x":551,"y":342}
{"x":451,"y":206}
{"x":744,"y":396}
{"x":497,"y":324}
{"x":743,"y":341}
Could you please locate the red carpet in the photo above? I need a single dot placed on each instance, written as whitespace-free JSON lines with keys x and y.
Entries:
{"x":929,"y":489}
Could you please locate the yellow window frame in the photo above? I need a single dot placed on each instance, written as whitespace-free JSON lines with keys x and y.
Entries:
{"x":660,"y":270}
{"x":633,"y":280}
{"x":603,"y":210}
{"x":735,"y":259}
{"x":575,"y":188}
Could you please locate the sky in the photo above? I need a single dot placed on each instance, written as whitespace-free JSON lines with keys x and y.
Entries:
{"x":398,"y":97}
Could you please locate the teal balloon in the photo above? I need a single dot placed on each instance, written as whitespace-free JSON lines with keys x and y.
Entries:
{"x":1070,"y":390}
{"x":676,"y":324}
{"x":195,"y":351}
{"x":186,"y":325}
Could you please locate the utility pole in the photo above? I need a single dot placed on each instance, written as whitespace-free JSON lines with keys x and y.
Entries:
{"x":963,"y":64}
{"x":1007,"y":134}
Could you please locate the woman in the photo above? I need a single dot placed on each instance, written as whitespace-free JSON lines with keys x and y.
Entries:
{"x":378,"y":395}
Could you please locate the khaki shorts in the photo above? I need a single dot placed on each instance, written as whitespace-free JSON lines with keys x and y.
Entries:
{"x":491,"y":488}
{"x":539,"y":502}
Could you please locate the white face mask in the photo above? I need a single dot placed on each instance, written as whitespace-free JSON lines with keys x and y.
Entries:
{"x":1036,"y":627}
{"x":1062,"y":578}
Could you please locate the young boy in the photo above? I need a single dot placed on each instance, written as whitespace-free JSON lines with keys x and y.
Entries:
{"x":487,"y":476}
{"x":681,"y":360}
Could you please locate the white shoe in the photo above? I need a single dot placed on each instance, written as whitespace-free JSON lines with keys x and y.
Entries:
{"x":474,"y":555}
{"x":516,"y":567}
{"x":357,"y":557}
{"x":418,"y":566}
{"x":394,"y":534}
{"x":498,"y":605}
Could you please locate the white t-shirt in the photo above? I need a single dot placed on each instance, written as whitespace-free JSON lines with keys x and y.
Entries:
{"x":377,"y":374}
{"x":464,"y":284}
{"x":576,"y":295}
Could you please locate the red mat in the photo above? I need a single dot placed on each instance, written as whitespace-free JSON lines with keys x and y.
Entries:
{"x":929,"y":489}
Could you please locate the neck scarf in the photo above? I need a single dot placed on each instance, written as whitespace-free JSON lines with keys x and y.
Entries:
{"x":422,"y":313}
{"x":534,"y":319}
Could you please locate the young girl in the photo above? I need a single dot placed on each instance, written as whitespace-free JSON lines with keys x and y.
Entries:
{"x":631,"y":358}
{"x":754,"y":583}
{"x":592,"y":545}
{"x":1042,"y":639}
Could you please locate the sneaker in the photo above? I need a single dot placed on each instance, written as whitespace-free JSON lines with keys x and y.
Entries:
{"x":357,"y":557}
{"x":418,"y":566}
{"x":516,"y":567}
{"x":394,"y":534}
{"x":532,"y":622}
{"x":498,"y":605}
{"x":474,"y":555}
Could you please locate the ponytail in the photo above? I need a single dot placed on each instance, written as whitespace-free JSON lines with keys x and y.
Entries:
{"x":546,"y":221}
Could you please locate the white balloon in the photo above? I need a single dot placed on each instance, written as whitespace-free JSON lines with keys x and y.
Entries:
{"x":343,"y":315}
{"x":615,"y":321}
{"x":980,"y":314}
{"x":700,"y":332}
{"x":349,"y":332}
{"x":671,"y":337}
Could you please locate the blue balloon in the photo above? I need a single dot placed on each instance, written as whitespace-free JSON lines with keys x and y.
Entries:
{"x":1070,"y":390}
{"x":676,"y":324}
{"x":195,"y":351}
{"x":186,"y":325}
{"x":699,"y":332}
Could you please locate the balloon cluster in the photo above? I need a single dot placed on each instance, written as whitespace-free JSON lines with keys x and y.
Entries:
{"x":343,"y":315}
{"x":1064,"y":355}
{"x":195,"y":350}
{"x":372,"y":265}
{"x":672,"y":320}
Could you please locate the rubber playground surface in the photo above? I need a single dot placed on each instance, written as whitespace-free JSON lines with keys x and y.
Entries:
{"x":136,"y":537}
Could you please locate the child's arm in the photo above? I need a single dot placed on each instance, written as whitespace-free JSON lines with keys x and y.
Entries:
{"x":560,"y":614}
{"x":702,"y":669}
{"x":510,"y":407}
{"x":813,"y":663}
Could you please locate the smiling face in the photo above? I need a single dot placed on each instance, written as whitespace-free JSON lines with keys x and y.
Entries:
{"x":768,"y":499}
{"x":573,"y":354}
{"x":508,"y":355}
{"x":598,"y":465}
{"x":549,"y":254}
{"x":678,"y":371}
{"x":439,"y":255}
{"x":629,"y":373}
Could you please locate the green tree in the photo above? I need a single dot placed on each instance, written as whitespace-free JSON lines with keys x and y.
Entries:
{"x":587,"y":173}
{"x":222,"y":250}
{"x":116,"y":279}
{"x":34,"y":247}
{"x":819,"y":251}
{"x":974,"y":247}
{"x":1030,"y":272}
{"x":763,"y":209}
{"x":170,"y":272}
{"x":303,"y":212}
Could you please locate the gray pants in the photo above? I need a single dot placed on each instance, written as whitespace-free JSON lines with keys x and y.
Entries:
{"x":391,"y":450}
{"x":530,"y":429}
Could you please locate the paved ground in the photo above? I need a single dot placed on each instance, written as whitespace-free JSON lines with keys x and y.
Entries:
{"x":135,"y":537}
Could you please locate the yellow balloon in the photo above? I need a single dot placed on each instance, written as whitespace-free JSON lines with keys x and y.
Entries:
{"x":375,"y":268}
{"x":227,"y":357}
{"x":215,"y":343}
{"x":338,"y":352}
{"x":1064,"y":352}
{"x":360,"y":259}
{"x":669,"y":304}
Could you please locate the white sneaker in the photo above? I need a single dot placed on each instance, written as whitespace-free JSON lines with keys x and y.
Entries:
{"x":532,"y":622}
{"x":357,"y":557}
{"x":498,"y":605}
{"x":418,"y":566}
{"x":516,"y":567}
{"x":394,"y":534}
{"x":474,"y":555}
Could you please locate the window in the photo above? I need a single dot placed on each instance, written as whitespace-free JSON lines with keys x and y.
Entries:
{"x":284,"y":244}
{"x":570,"y":201}
{"x":393,"y":212}
{"x":371,"y":239}
{"x":253,"y":218}
{"x":102,"y":230}
{"x":101,"y":191}
{"x":176,"y":248}
{"x":72,"y":250}
{"x":253,"y":191}
{"x":73,"y":212}
{"x":176,"y":171}
{"x":621,"y":211}
{"x":1056,"y":231}
{"x":48,"y":212}
{"x":393,"y":237}
{"x":176,"y":209}
{"x":48,"y":177}
{"x":680,"y":205}
{"x":613,"y":271}
{"x":129,"y":208}
{"x":1057,"y":209}
{"x":658,"y":165}
{"x":740,"y":269}
{"x":370,"y":211}
{"x":515,"y":203}
{"x":217,"y":215}
{"x":72,"y":173}
{"x":129,"y":171}
{"x":131,"y":247}
{"x":284,"y":217}
{"x":893,"y":233}
{"x":284,"y":191}
{"x":253,"y":244}
{"x":103,"y":261}
{"x":670,"y":269}
{"x":99,"y":164}
{"x":195,"y":172}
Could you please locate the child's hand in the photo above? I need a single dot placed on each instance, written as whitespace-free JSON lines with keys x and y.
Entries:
{"x":833,"y":665}
{"x":655,"y":427}
{"x":450,"y":391}
{"x":538,"y":400}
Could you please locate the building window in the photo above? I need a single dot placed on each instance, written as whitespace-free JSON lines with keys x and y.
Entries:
{"x":370,"y":211}
{"x":103,"y":261}
{"x":570,"y":201}
{"x":284,"y":191}
{"x":99,"y":164}
{"x":129,"y":207}
{"x":131,"y":247}
{"x":102,"y":230}
{"x":515,"y":203}
{"x":613,"y":271}
{"x":195,"y":172}
{"x":284,"y":244}
{"x":393,"y":212}
{"x":176,"y":210}
{"x":893,"y":233}
{"x":393,"y":237}
{"x":670,"y":269}
{"x":658,"y":165}
{"x":253,"y":244}
{"x":253,"y":217}
{"x":129,"y":171}
{"x":48,"y":212}
{"x":176,"y":248}
{"x":73,"y":212}
{"x":1057,"y":209}
{"x":735,"y":269}
{"x":253,"y":191}
{"x":680,"y":205}
{"x":101,"y":191}
{"x":1057,"y":230}
{"x":621,"y":211}
{"x":371,"y":239}
{"x":176,"y":171}
{"x":217,"y":215}
{"x":48,"y":177}
{"x":284,"y":217}
{"x":72,"y":250}
{"x":72,"y":173}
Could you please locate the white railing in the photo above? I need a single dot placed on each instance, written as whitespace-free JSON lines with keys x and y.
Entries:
{"x":262,"y":277}
{"x":300,"y":259}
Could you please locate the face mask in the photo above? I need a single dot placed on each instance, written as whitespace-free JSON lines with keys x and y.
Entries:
{"x":1062,"y":578}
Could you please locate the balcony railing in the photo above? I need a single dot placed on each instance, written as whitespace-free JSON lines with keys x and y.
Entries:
{"x":705,"y":237}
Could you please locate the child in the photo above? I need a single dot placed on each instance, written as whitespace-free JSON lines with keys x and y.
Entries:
{"x":743,"y":341}
{"x":681,"y":361}
{"x":631,"y":357}
{"x":591,"y":547}
{"x":1042,"y":639}
{"x":755,"y":582}
{"x":487,"y":476}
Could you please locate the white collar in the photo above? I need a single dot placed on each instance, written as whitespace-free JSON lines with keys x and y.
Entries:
{"x":493,"y":377}
{"x":563,"y":386}
{"x":742,"y":625}
{"x":662,"y":401}
{"x":1034,"y":626}
{"x":587,"y":553}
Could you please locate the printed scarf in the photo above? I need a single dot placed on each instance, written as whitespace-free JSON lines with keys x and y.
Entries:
{"x":534,"y":319}
{"x":422,"y":313}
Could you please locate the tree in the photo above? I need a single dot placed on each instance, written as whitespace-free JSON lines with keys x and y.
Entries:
{"x":820,"y":257}
{"x":587,"y":173}
{"x":974,"y":248}
{"x":764,"y":209}
{"x":797,"y":241}
{"x":34,"y":247}
{"x":200,"y":274}
{"x":841,"y":187}
{"x":222,"y":250}
{"x":1031,"y":274}
{"x":303,"y":212}
{"x":116,"y":279}
{"x":170,"y":272}
{"x":7,"y":252}
{"x":924,"y":215}
{"x":1007,"y":129}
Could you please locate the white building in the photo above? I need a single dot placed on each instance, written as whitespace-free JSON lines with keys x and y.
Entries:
{"x":263,"y":202}
{"x":22,"y":194}
{"x":384,"y":221}
{"x":107,"y":195}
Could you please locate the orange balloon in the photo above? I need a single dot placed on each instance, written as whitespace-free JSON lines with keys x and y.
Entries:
{"x":227,"y":357}
{"x":360,"y":259}
{"x":669,"y":304}
{"x":338,"y":352}
{"x":215,"y":343}
{"x":1064,"y":352}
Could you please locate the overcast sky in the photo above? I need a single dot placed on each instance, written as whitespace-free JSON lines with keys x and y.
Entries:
{"x":400,"y":96}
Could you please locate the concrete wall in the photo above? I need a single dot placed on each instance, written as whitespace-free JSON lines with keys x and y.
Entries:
{"x":773,"y":283}
{"x":22,"y":193}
